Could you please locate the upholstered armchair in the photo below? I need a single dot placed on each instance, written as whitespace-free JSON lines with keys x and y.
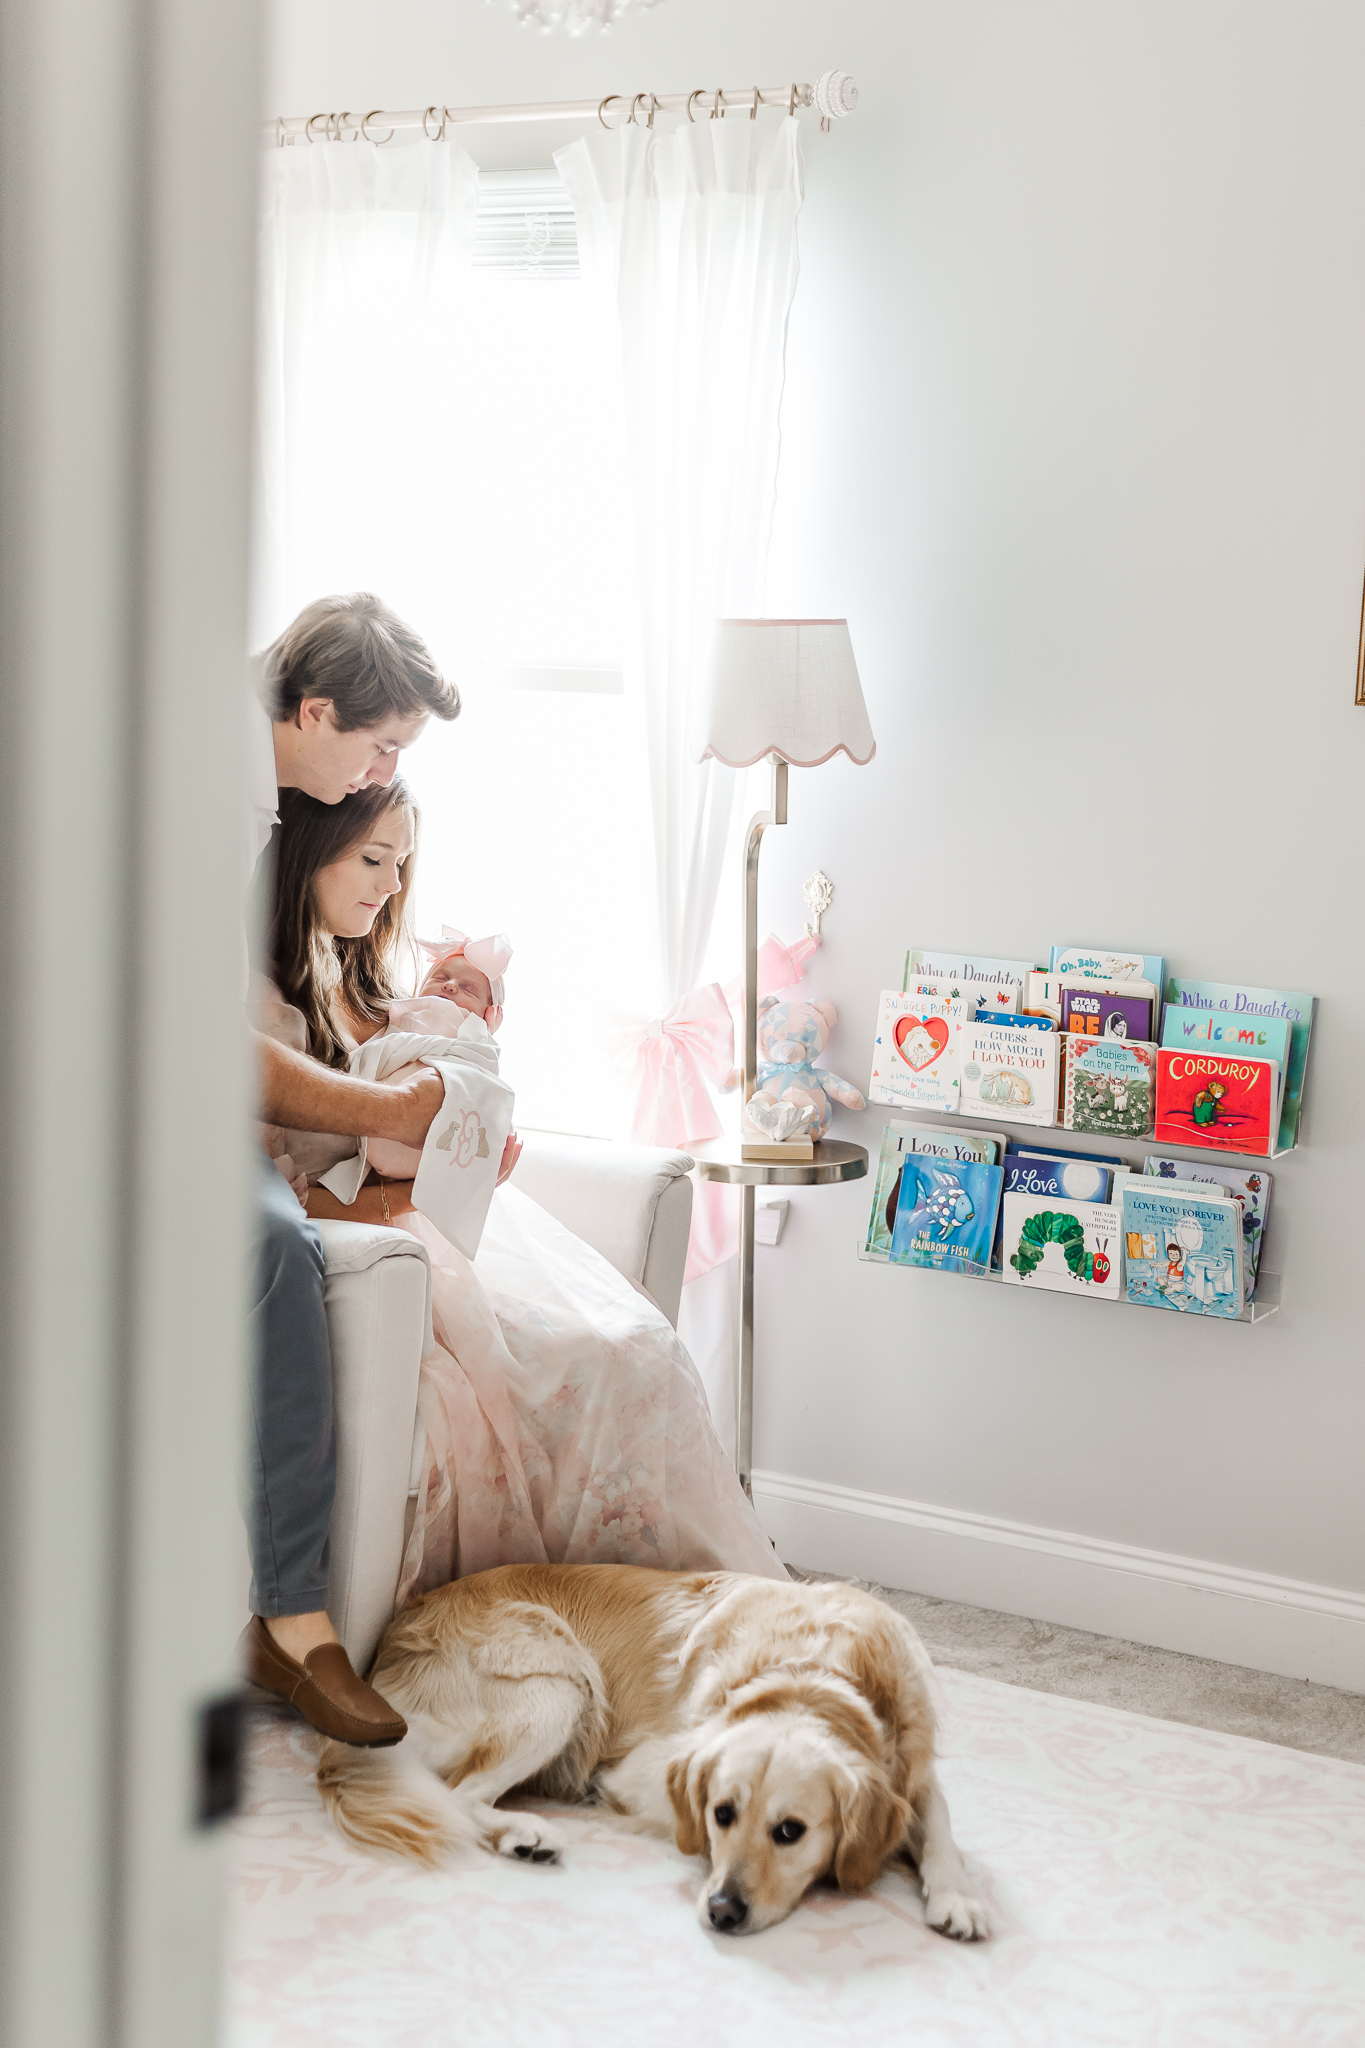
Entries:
{"x":631,"y":1203}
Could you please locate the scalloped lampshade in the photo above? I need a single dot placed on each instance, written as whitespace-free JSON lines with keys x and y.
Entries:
{"x":787,"y":687}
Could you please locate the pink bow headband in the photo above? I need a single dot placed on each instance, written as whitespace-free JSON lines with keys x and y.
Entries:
{"x":490,"y":955}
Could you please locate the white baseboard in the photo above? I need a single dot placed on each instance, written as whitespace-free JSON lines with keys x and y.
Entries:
{"x":1114,"y":1589}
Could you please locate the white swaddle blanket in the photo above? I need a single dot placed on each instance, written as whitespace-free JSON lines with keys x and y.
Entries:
{"x":459,"y":1166}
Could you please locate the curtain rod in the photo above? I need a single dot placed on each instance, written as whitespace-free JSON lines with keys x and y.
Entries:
{"x":833,"y":95}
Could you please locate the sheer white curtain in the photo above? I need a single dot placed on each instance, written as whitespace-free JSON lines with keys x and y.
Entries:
{"x":363,"y":252}
{"x":693,"y":236}
{"x":546,"y":472}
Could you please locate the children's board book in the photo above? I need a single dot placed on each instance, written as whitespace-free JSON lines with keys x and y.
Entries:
{"x":915,"y":1058}
{"x":1009,"y":1073}
{"x":1109,"y":1087}
{"x":1258,"y":1038}
{"x":919,"y":1140}
{"x":1183,"y":1251}
{"x":1036,"y":1151}
{"x":1103,"y":963}
{"x":997,"y":984}
{"x":968,"y":992}
{"x":1218,"y":1104}
{"x":1251,"y":1190}
{"x":1070,"y":1247}
{"x":1008,"y":1017}
{"x":1234,"y":1000}
{"x":1069,"y":1180}
{"x":1043,"y":996}
{"x":1106,"y":1012}
{"x":945,"y":1217}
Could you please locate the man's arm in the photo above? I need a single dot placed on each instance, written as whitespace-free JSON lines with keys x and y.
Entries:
{"x":300,"y":1094}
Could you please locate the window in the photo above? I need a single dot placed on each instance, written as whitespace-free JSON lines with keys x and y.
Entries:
{"x":461,"y":454}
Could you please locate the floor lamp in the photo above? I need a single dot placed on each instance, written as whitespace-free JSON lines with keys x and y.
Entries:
{"x":786,"y":690}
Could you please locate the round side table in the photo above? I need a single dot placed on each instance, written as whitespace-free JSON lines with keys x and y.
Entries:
{"x":721,"y":1160}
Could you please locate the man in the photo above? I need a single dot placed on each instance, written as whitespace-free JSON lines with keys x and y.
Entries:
{"x":344,"y":690}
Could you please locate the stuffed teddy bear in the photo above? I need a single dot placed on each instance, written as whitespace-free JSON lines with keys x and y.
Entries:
{"x":789,"y":1037}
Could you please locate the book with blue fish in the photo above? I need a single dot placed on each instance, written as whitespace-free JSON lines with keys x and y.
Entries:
{"x":945,"y":1217}
{"x":1238,"y":1002}
{"x":930,"y":1142}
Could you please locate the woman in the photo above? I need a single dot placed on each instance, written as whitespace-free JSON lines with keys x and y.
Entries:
{"x":564,"y":1420}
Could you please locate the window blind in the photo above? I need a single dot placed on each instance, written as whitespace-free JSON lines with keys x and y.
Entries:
{"x":525,"y":225}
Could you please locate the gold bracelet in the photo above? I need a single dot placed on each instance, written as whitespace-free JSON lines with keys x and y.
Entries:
{"x":384,"y":1201}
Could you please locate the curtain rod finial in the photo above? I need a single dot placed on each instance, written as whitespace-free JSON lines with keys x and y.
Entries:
{"x":835,"y":95}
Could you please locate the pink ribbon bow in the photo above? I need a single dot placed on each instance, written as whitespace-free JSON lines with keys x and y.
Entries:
{"x":779,"y":967}
{"x":490,"y":955}
{"x":670,"y":1059}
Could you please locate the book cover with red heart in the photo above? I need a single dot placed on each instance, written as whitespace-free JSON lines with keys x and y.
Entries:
{"x":915,"y":1054}
{"x":1218,"y":1104}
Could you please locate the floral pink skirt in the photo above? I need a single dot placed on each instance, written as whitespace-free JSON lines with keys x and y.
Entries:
{"x":565,"y":1422}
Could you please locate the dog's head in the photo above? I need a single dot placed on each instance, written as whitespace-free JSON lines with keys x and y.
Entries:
{"x":782,"y":1786}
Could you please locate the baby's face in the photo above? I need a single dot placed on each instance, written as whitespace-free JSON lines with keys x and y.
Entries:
{"x":460,"y":983}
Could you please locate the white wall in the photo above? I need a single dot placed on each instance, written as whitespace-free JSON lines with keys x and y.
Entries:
{"x":1075,"y":435}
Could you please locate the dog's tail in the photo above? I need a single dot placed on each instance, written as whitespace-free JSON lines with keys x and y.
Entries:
{"x":385,"y":1800}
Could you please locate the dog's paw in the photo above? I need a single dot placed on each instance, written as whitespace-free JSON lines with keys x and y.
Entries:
{"x":526,"y":1837}
{"x":957,"y":1915}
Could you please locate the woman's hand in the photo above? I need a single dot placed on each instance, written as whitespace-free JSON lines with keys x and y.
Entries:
{"x":298,"y":1182}
{"x":511,"y":1153}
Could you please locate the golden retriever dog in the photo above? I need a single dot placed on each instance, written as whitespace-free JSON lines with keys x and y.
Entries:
{"x":784,"y":1731}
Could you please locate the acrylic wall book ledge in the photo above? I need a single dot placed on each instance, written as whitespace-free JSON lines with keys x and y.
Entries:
{"x":1044,"y":1134}
{"x":1265,"y":1303}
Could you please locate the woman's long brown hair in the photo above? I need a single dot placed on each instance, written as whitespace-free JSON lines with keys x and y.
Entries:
{"x":314,"y":971}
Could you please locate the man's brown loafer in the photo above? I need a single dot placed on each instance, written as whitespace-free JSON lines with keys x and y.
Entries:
{"x":324,"y":1688}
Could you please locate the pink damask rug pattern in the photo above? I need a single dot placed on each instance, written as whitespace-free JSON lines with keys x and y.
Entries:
{"x":1155,"y":1886}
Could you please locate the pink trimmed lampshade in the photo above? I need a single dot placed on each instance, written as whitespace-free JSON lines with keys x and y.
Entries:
{"x":787,"y":687}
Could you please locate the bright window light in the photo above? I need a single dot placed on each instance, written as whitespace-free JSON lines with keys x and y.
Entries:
{"x":473,"y":477}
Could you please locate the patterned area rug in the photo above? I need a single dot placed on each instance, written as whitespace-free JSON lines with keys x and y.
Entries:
{"x":1154,"y":1886}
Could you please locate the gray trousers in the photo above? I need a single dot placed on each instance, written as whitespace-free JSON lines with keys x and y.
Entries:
{"x":291,"y":1456}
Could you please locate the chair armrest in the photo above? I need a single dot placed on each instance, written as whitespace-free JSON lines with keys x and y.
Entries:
{"x":377,"y":1292}
{"x":631,"y":1203}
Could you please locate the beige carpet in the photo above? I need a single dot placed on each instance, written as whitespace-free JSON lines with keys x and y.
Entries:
{"x":1078,"y":1666}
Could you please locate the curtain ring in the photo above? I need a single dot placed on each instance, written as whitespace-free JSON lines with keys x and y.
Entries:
{"x":694,"y":96}
{"x":377,"y":140}
{"x":440,"y":134}
{"x":791,"y":104}
{"x":653,"y":109}
{"x":279,"y":131}
{"x":718,"y":110}
{"x":753,"y":111}
{"x":308,"y":126}
{"x":606,"y":103}
{"x":653,"y":103}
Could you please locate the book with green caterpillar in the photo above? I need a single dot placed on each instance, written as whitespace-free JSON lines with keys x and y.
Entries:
{"x":1067,"y":1247}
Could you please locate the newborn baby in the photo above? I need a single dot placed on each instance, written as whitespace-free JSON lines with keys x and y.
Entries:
{"x":465,"y":980}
